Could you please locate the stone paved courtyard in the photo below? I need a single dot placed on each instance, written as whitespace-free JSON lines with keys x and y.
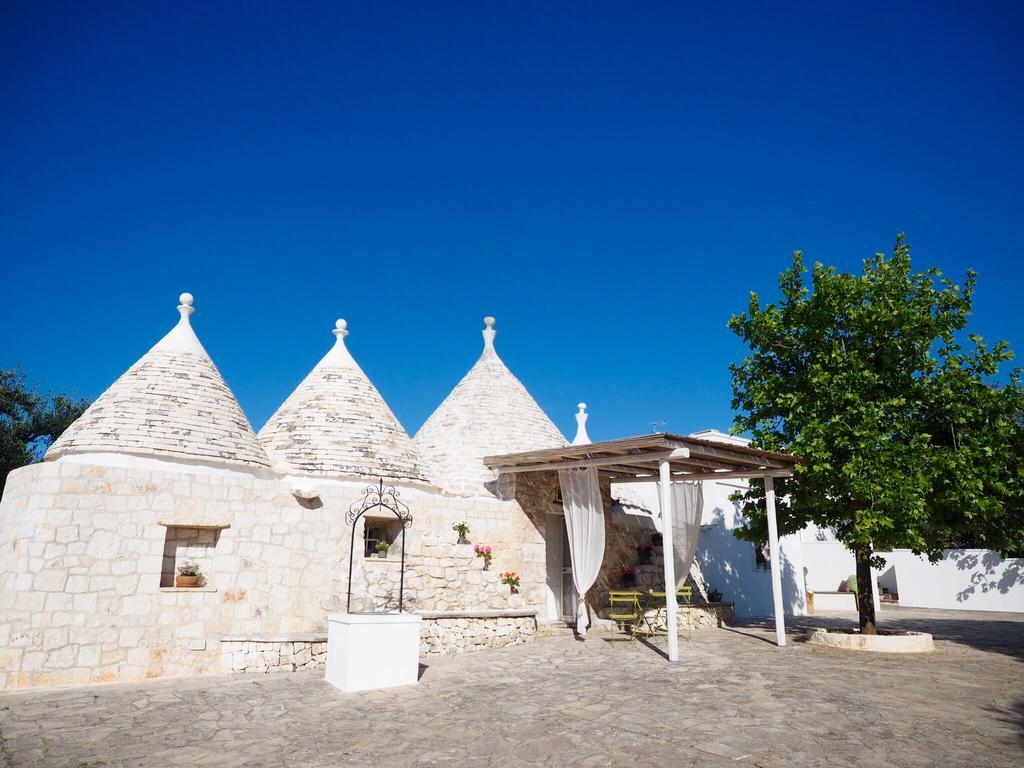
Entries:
{"x":734,"y":699}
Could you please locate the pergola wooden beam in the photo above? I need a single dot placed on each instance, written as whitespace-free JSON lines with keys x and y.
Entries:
{"x":572,"y":462}
{"x":665,"y":458}
{"x":741,"y":474}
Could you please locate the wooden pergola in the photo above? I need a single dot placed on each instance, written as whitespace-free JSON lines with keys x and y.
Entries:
{"x":665,"y":458}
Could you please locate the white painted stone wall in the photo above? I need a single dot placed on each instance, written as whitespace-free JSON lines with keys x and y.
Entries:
{"x":965,"y":579}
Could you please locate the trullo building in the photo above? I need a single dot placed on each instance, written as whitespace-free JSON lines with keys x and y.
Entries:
{"x":164,"y":469}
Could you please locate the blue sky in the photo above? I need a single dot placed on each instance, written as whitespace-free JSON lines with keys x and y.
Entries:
{"x":609,"y":180}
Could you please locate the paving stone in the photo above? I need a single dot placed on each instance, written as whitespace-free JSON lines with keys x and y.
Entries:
{"x":733,"y":699}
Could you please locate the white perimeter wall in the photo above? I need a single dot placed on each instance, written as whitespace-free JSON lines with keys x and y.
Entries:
{"x":965,"y":579}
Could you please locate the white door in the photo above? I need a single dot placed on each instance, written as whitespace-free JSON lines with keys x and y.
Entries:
{"x":561,"y":590}
{"x":568,"y":601}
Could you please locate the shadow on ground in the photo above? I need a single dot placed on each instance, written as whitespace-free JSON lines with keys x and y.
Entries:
{"x":984,"y":632}
{"x":1013,"y":715}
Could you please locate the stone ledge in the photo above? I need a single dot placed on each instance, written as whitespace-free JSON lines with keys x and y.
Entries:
{"x":188,"y":589}
{"x":186,"y":523}
{"x":308,"y":637}
{"x":904,"y":642}
{"x":496,"y":613}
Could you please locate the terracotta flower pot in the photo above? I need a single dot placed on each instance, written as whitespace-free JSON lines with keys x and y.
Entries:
{"x":187,"y":581}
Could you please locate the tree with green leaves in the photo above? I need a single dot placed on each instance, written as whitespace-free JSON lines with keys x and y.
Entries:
{"x":30,"y":421}
{"x":910,"y":434}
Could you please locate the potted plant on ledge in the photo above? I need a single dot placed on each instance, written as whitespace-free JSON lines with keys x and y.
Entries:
{"x":512,"y":579}
{"x":484,"y":551}
{"x":382,"y":548}
{"x":189,"y":575}
{"x":463,"y":530}
{"x":645,"y":553}
{"x":627,"y":576}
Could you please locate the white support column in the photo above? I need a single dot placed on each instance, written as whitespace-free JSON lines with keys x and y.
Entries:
{"x":665,"y":488}
{"x":776,"y":561}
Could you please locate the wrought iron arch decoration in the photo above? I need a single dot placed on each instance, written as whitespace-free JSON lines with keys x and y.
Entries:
{"x":378,"y":496}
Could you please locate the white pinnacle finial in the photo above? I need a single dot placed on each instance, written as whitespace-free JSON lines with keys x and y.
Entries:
{"x":185,"y":308}
{"x":181,"y":338}
{"x":489,"y":333}
{"x":582,"y":438}
{"x":338,"y":356}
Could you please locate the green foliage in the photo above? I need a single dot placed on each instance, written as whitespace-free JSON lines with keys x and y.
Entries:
{"x":189,"y":568}
{"x":30,"y":421}
{"x":908,"y":440}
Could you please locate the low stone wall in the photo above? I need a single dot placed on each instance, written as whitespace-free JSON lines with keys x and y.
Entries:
{"x":446,"y":633}
{"x":257,"y":655}
{"x":703,"y":616}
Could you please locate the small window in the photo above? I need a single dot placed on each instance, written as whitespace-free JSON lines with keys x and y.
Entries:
{"x":188,"y":545}
{"x":558,"y":495}
{"x":377,"y":529}
{"x":762,"y":558}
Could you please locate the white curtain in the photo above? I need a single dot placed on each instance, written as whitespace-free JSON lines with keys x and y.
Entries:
{"x":687,"y":509}
{"x":584,"y":524}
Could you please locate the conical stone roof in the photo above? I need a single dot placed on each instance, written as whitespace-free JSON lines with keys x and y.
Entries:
{"x":173,"y":403}
{"x":488,"y":413}
{"x":337,"y":423}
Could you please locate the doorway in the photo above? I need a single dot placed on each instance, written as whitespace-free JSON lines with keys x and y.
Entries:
{"x":562,"y":598}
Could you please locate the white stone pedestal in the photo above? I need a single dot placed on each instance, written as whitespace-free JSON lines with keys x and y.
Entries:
{"x":372,"y":650}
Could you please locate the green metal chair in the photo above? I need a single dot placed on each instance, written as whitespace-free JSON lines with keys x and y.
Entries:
{"x":684,"y":596}
{"x":624,"y":608}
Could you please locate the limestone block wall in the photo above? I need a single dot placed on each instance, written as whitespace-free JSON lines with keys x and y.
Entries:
{"x":448,"y":636}
{"x":83,"y":553}
{"x":273,"y":654}
{"x":440,"y":635}
{"x":443,"y":577}
{"x":188,"y":545}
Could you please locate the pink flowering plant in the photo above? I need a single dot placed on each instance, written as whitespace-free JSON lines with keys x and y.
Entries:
{"x":511,"y":578}
{"x":627,"y":575}
{"x":484,"y":551}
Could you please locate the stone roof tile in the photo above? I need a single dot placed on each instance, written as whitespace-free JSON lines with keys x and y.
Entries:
{"x":337,"y":423}
{"x":489,"y":412}
{"x":172,"y":403}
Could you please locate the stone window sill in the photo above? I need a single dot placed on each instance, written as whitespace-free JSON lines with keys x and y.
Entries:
{"x":188,"y":589}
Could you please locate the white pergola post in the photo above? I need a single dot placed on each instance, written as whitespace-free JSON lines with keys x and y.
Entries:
{"x":665,"y":489}
{"x":775,"y":561}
